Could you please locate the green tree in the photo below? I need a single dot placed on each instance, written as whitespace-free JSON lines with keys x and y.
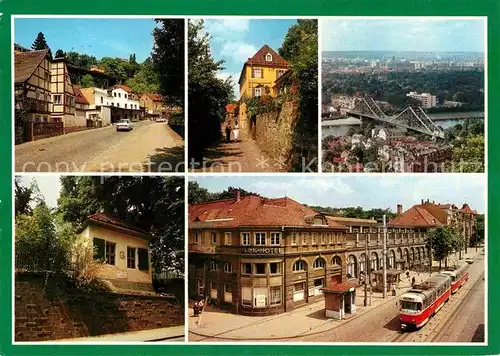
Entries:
{"x":300,"y":49}
{"x":141,"y":201}
{"x":207,"y":94}
{"x":41,"y":43}
{"x":146,"y":79}
{"x":87,"y":81}
{"x":197,"y":194}
{"x":23,"y":196}
{"x":468,"y":154}
{"x":60,"y":53}
{"x":168,"y":59}
{"x":444,"y":241}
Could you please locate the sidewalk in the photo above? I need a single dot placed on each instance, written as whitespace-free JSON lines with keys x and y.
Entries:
{"x":170,"y":334}
{"x":306,"y":320}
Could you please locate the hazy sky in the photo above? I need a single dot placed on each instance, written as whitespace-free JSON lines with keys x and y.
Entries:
{"x":234,"y":40}
{"x":425,"y":35}
{"x":95,"y":37}
{"x":366,"y":191}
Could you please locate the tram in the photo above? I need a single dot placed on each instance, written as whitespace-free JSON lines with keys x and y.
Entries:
{"x":459,"y":275}
{"x":423,"y":301}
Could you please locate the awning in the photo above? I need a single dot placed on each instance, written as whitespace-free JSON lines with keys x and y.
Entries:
{"x":339,"y":288}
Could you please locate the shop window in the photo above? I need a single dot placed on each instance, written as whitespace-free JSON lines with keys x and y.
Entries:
{"x":275,"y":268}
{"x":260,"y":268}
{"x":246,"y":268}
{"x":275,"y":295}
{"x":246,"y":296}
{"x":275,"y":238}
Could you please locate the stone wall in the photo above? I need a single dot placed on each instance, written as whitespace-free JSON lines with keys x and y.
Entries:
{"x":48,"y":309}
{"x":274,"y":131}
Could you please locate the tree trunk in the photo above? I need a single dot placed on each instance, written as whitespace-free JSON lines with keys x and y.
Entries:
{"x":446,"y":262}
{"x":440,"y":261}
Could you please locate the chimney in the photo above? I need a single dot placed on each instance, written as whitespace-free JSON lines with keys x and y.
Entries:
{"x":237,"y":195}
{"x":421,"y":201}
{"x":400,"y":209}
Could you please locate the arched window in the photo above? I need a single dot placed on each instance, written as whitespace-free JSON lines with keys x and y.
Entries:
{"x":392,"y":259}
{"x":269,"y":57}
{"x":374,"y":261}
{"x":228,"y":268}
{"x":351,"y":267}
{"x":299,"y":266}
{"x":362,"y":263}
{"x":337,"y":261}
{"x":319,"y":263}
{"x":213,"y":266}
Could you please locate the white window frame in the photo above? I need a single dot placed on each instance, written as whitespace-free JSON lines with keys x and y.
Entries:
{"x":274,"y":236}
{"x":315,"y":263}
{"x":294,"y":238}
{"x":257,"y":70}
{"x":313,"y":238}
{"x":298,"y":263}
{"x":304,"y":238}
{"x":330,"y":237}
{"x":257,"y":92}
{"x":213,"y":266}
{"x":243,"y":268}
{"x":228,"y":267}
{"x":212,"y":235}
{"x":272,"y":301}
{"x":227,"y":238}
{"x":255,"y":269}
{"x":322,"y":238}
{"x":255,"y":238}
{"x":245,"y":239}
{"x":58,"y":96}
{"x":278,"y":268}
{"x":269,"y":57}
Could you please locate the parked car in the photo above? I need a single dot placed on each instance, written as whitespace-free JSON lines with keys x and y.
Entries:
{"x":124,"y":125}
{"x":161,"y":119}
{"x":469,"y":260}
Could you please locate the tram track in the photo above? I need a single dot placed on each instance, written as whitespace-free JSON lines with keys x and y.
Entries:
{"x":438,"y":324}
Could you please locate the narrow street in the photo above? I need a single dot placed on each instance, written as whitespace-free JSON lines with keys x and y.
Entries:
{"x":241,"y":156}
{"x":150,"y":146}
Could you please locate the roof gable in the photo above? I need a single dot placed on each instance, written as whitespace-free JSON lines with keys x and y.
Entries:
{"x":259,"y":58}
{"x":79,"y":97}
{"x":110,"y":221}
{"x":25,"y":64}
{"x":123,"y":87}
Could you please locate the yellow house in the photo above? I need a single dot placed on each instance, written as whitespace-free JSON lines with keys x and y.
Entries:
{"x":260,"y":72}
{"x":125,"y":250}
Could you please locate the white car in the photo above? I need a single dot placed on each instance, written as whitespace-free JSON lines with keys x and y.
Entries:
{"x":469,"y":260}
{"x":124,"y":125}
{"x":161,"y":119}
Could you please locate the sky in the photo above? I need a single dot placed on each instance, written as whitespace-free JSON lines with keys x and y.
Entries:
{"x":95,"y":37}
{"x":234,"y":40}
{"x":373,"y":191}
{"x":423,"y":35}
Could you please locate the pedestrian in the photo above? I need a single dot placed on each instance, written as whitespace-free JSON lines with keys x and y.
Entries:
{"x":196,"y":309}
{"x":236,"y":131}
{"x":228,"y":132}
{"x":413,"y":282}
{"x":200,"y":306}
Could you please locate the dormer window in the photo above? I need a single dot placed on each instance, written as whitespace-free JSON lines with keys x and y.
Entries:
{"x":269,"y":57}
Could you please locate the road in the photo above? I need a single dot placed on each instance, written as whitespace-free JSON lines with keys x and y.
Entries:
{"x":150,"y":146}
{"x":457,"y":321}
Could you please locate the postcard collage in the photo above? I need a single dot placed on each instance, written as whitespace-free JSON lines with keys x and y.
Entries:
{"x":248,"y":180}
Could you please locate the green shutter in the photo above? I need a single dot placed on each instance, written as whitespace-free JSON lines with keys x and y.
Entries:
{"x":99,"y":249}
{"x":143,"y":259}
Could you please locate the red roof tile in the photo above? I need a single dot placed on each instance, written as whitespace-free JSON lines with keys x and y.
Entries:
{"x":25,"y":64}
{"x":341,"y":287}
{"x":107,"y":219}
{"x":259,"y":58}
{"x":467,"y":210}
{"x":254,"y":211}
{"x":154,"y":96}
{"x":79,"y":98}
{"x":124,"y":87}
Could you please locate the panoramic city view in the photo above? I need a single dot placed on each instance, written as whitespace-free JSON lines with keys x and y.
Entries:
{"x":99,"y":95}
{"x":337,"y":259}
{"x":403,"y":95}
{"x":253,"y":96}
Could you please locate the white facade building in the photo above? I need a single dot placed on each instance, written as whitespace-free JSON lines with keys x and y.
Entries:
{"x":427,"y":100}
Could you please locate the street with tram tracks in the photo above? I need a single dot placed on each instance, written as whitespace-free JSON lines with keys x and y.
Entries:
{"x":461,"y":319}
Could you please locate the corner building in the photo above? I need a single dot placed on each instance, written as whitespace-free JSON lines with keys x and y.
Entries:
{"x":258,"y":256}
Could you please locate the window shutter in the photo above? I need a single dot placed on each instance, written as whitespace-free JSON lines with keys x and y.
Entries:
{"x":99,"y":247}
{"x":143,"y":259}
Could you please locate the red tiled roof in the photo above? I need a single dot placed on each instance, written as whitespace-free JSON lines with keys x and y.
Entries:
{"x":259,"y":58}
{"x":79,"y":98}
{"x":25,"y":64}
{"x":231,"y":108}
{"x":124,"y":87}
{"x":154,"y":96}
{"x":423,"y":215}
{"x":107,"y":219}
{"x":254,"y":211}
{"x":341,"y":287}
{"x":467,"y":210}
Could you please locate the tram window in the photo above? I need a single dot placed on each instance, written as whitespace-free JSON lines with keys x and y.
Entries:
{"x":409,"y":306}
{"x":419,"y":306}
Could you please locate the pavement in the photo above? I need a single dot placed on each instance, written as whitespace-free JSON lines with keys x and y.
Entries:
{"x":238,"y":156}
{"x":150,"y":146}
{"x":170,"y":334}
{"x":308,"y":323}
